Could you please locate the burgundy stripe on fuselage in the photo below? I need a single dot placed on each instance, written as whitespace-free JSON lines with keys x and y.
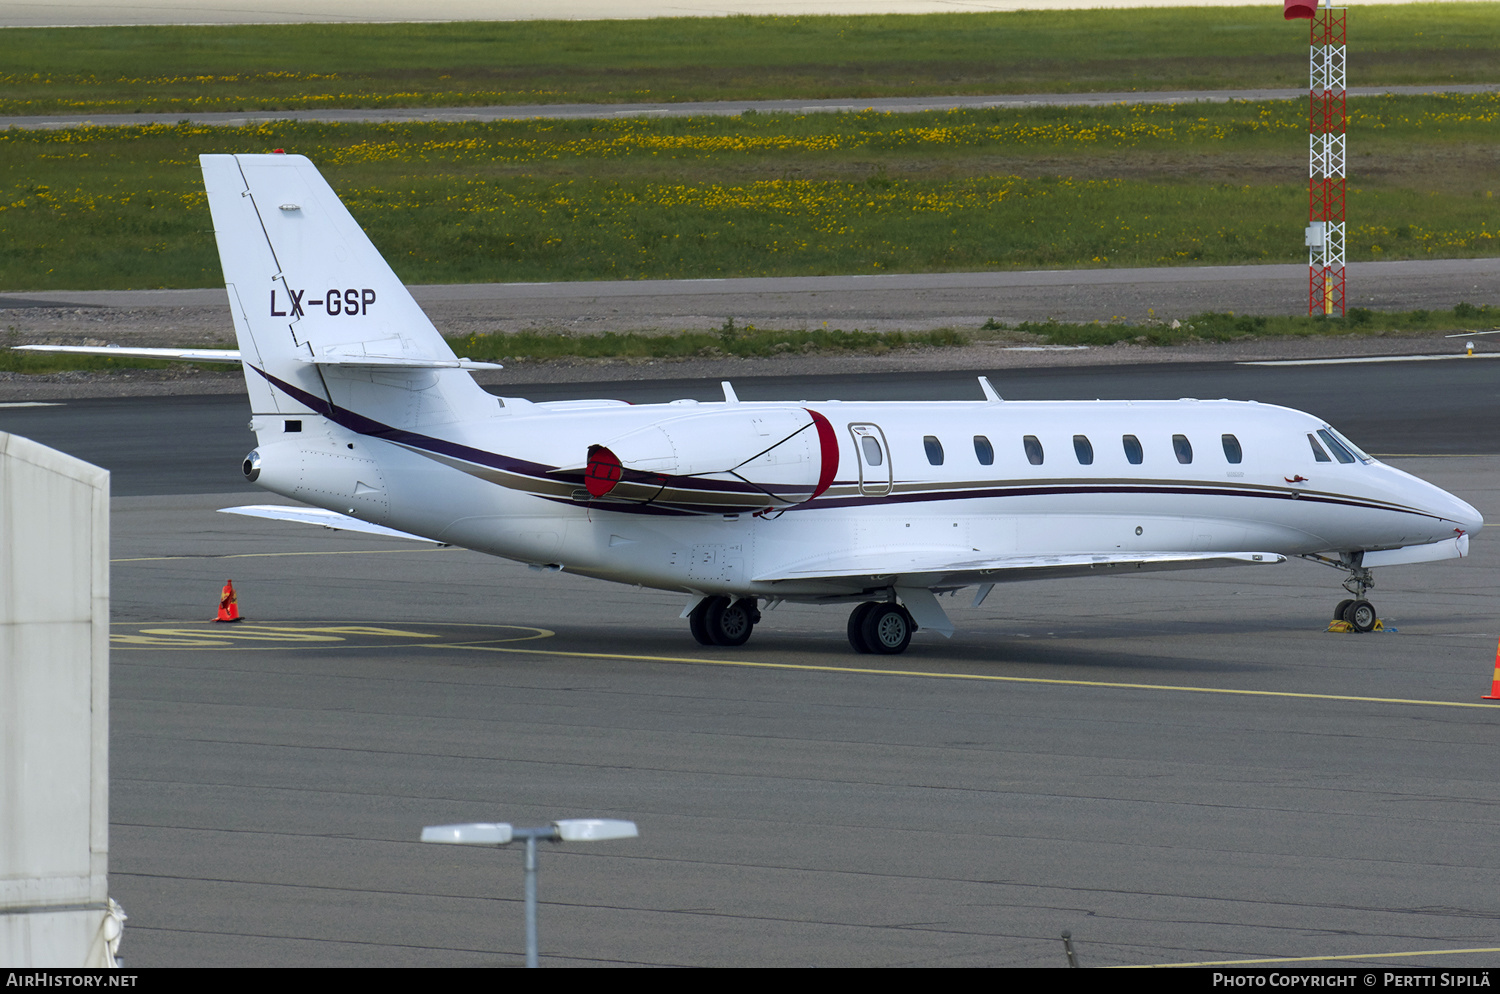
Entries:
{"x":827,"y":439}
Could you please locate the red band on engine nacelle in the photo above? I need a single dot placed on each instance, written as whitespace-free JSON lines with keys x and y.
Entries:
{"x":603,"y":471}
{"x":828,"y":445}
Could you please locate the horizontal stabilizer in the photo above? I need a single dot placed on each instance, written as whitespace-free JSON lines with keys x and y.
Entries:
{"x":318,"y":516}
{"x":395,"y":362}
{"x":360,"y":360}
{"x":116,"y":352}
{"x":941,"y":567}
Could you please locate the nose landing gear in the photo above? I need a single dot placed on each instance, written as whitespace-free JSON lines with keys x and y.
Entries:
{"x":1358,"y":612}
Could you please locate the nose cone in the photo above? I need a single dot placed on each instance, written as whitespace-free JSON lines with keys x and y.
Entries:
{"x":1434,"y":500}
{"x":1465,"y":516}
{"x":1468,"y":518}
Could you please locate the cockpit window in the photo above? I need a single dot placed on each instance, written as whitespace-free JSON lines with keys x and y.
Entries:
{"x":1232,"y":451}
{"x":1335,"y":446}
{"x":1359,"y":453}
{"x":934,"y":449}
{"x":1133,"y":453}
{"x":1033,"y":450}
{"x":1183,"y":448}
{"x":1083,"y":449}
{"x":1318,"y":452}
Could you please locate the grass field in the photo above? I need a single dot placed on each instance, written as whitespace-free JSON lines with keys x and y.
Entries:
{"x":760,"y":195}
{"x":271,"y":67}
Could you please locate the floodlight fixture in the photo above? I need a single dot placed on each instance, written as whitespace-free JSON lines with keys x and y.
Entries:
{"x":594,"y":829}
{"x":499,"y":834}
{"x":473,"y":834}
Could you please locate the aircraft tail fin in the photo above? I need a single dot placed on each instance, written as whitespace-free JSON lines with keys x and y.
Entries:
{"x":321,"y":318}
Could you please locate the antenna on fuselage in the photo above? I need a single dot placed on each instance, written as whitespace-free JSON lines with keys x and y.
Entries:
{"x":989,"y":390}
{"x":729,"y":395}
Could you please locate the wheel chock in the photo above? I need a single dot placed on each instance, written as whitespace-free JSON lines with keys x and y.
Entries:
{"x":1344,"y":628}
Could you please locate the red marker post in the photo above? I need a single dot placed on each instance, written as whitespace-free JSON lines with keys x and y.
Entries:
{"x":1324,"y":234}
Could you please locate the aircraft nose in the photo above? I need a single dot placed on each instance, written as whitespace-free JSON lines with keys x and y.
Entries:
{"x":1460,"y":512}
{"x":1470,"y":520}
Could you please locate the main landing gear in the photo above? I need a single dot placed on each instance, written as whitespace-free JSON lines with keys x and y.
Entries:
{"x":881,"y":628}
{"x":720,"y":621}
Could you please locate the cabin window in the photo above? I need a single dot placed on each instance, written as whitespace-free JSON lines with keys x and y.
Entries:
{"x":1033,"y":450}
{"x":873,"y":455}
{"x":294,"y":426}
{"x":934,"y":449}
{"x":1339,"y":452}
{"x":1232,"y":451}
{"x":1183,"y":449}
{"x":1318,"y":452}
{"x":1083,"y":449}
{"x":1133,"y":453}
{"x":984,"y":451}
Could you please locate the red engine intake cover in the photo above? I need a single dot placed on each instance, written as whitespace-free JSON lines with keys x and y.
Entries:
{"x":603,"y":471}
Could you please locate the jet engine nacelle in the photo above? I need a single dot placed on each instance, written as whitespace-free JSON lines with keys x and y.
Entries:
{"x":319,"y":472}
{"x":740,"y":459}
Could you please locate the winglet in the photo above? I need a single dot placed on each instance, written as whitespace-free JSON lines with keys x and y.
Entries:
{"x":989,"y":390}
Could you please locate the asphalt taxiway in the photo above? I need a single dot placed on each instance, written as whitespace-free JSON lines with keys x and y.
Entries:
{"x":1175,"y":768}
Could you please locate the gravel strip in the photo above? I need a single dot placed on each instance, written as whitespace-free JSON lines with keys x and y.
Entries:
{"x":199,"y":326}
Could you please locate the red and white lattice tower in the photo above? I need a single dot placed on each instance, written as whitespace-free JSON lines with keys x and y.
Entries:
{"x":1325,"y":158}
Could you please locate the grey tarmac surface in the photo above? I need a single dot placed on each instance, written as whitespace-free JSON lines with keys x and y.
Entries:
{"x":74,"y":13}
{"x":1126,"y":759}
{"x":909,"y":302}
{"x":720,"y":108}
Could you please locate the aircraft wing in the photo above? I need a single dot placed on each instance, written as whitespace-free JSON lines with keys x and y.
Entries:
{"x":318,"y":516}
{"x":951,"y":567}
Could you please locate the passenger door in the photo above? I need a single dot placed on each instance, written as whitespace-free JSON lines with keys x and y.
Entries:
{"x":874,"y":460}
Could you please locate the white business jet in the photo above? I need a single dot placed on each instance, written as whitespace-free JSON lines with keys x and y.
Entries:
{"x":363,"y":411}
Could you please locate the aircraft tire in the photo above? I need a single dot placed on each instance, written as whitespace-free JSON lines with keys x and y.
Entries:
{"x":698,"y":620}
{"x":1338,"y":612}
{"x":887,"y":629}
{"x":1361,"y":614}
{"x":730,"y":623}
{"x":857,"y":627}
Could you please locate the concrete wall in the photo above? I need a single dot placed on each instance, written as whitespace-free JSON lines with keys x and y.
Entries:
{"x":54,"y":707}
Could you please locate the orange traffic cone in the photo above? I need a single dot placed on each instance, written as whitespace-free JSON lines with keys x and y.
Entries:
{"x":1494,"y":694}
{"x":229,"y":604}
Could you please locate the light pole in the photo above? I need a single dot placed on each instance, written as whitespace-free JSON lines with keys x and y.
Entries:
{"x":500,"y":834}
